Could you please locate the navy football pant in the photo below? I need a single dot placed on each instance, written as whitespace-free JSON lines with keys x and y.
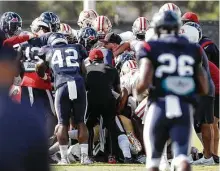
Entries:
{"x":158,"y":129}
{"x":74,"y":109}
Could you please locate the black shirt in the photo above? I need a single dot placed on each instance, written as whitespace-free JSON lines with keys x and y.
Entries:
{"x":101,"y":79}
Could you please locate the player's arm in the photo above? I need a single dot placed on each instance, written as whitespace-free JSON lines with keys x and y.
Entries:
{"x":18,"y":39}
{"x":202,"y":75}
{"x":146,"y":71}
{"x":121,"y":49}
{"x":124,"y":98}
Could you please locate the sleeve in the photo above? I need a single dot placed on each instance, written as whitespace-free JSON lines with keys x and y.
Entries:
{"x":15,"y":40}
{"x":143,"y":50}
{"x":212,"y":52}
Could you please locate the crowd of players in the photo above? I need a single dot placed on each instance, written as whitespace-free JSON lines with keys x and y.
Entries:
{"x":86,"y":86}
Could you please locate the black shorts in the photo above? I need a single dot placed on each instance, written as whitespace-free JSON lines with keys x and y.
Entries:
{"x":74,"y":109}
{"x":216,"y":106}
{"x":205,"y":110}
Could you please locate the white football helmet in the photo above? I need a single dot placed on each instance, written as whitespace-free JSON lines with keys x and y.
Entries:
{"x":86,"y":18}
{"x":102,"y":25}
{"x":190,"y":32}
{"x":128,"y":66}
{"x":35,"y":25}
{"x":170,"y":7}
{"x":140,"y":26}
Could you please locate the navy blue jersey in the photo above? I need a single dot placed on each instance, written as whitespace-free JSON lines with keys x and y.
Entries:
{"x":174,"y":60}
{"x":29,"y":51}
{"x":65,"y":62}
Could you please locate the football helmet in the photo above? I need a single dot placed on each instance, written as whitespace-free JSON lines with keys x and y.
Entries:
{"x":56,"y":38}
{"x":140,"y":26}
{"x":10,"y":24}
{"x":128,"y":66}
{"x":197,"y":26}
{"x":86,"y":17}
{"x":102,"y":25}
{"x":37,"y":24}
{"x":166,"y":22}
{"x":170,"y":7}
{"x":68,"y":32}
{"x":190,"y":32}
{"x":121,"y":59}
{"x":87,"y":37}
{"x":52,"y":20}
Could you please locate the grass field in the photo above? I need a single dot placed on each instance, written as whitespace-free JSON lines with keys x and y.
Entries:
{"x":128,"y":167}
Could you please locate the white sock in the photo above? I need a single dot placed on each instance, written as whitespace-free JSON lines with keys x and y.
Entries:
{"x":63,"y":151}
{"x":73,"y":134}
{"x":124,"y":145}
{"x":84,"y":148}
{"x":54,"y":148}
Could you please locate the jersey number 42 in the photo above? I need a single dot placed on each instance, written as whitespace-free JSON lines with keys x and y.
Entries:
{"x":70,"y":58}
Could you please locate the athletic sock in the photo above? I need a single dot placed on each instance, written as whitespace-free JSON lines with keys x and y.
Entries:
{"x":73,"y":134}
{"x":84,"y":148}
{"x":124,"y":145}
{"x":63,"y":151}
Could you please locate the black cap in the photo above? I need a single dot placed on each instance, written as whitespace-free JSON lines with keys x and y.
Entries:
{"x":112,"y":38}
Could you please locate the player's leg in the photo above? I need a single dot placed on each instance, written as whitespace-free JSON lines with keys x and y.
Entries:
{"x":123,"y":140}
{"x":215,"y":125}
{"x":206,"y":110}
{"x":79,"y":112}
{"x":51,"y":118}
{"x":180,"y":135}
{"x":155,"y":135}
{"x":62,"y":107}
{"x":108,"y":111}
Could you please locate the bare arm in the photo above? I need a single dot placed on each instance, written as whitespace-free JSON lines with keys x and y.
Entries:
{"x":124,"y":98}
{"x":121,"y":49}
{"x":146,"y":74}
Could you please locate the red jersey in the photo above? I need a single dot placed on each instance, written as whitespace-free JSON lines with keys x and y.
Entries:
{"x":214,"y":71}
{"x":31,"y":79}
{"x":15,"y":40}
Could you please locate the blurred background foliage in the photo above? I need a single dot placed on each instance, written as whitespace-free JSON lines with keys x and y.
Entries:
{"x":123,"y":10}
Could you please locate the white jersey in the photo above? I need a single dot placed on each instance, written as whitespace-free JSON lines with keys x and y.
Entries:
{"x":150,"y":34}
{"x":127,"y":36}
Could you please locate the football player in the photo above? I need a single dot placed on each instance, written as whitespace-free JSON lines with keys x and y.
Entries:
{"x":67,"y":64}
{"x":171,"y":68}
{"x":205,"y":111}
{"x":209,"y":124}
{"x":139,"y":28}
{"x":37,"y":90}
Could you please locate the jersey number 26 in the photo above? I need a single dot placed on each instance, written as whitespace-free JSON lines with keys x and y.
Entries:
{"x":182,"y":64}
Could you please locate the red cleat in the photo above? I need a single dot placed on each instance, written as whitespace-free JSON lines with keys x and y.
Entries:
{"x":111,"y":160}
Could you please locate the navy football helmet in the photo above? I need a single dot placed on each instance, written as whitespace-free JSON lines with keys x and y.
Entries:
{"x":197,"y":26}
{"x":10,"y":24}
{"x":87,"y":37}
{"x":52,"y":20}
{"x":57,"y":38}
{"x":166,"y":22}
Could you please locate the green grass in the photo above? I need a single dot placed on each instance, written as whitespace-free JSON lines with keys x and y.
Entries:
{"x":120,"y":167}
{"x":128,"y":167}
